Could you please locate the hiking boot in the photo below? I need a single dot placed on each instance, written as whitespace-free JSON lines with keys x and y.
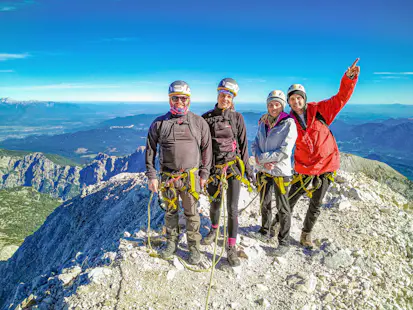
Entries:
{"x":232,"y":256}
{"x":281,"y":250}
{"x":210,"y":238}
{"x":194,"y":254}
{"x":263,"y":231}
{"x":169,"y":250}
{"x":305,"y":240}
{"x":275,"y":230}
{"x":260,"y":235}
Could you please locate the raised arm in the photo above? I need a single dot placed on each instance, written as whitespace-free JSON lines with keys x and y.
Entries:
{"x":329,"y":108}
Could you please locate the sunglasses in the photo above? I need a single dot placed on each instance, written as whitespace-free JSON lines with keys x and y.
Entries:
{"x":182,"y":98}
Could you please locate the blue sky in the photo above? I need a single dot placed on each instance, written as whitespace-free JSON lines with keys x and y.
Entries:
{"x":125,"y":50}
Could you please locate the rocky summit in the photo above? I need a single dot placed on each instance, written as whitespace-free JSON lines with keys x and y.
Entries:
{"x":93,"y":253}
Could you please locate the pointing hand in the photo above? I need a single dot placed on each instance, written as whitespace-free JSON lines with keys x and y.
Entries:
{"x":353,"y":71}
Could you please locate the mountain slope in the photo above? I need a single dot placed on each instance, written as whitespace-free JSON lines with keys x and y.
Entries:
{"x":378,"y":171}
{"x":22,"y":211}
{"x":84,"y":256}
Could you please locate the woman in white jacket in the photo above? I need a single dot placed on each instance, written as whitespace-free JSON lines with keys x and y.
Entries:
{"x":272,"y":149}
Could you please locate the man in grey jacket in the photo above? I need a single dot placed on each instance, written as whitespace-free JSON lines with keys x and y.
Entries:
{"x":272,"y":149}
{"x":185,"y":160}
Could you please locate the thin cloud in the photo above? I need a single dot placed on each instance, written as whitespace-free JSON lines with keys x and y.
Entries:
{"x":394,"y":77}
{"x":11,"y":6}
{"x":62,"y":86}
{"x":394,"y":73}
{"x":6,"y":71}
{"x":7,"y":8}
{"x":4,"y":57}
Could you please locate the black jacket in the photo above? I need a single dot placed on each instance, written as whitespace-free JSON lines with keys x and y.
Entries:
{"x":184,"y":143}
{"x":226,"y":126}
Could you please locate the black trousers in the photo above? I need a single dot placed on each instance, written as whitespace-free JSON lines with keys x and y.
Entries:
{"x":283,"y":215}
{"x":322,"y":183}
{"x":232,"y":198}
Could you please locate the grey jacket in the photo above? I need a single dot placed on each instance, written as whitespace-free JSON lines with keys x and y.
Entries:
{"x":276,"y":145}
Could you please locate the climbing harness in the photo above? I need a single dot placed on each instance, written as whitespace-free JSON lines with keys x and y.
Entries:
{"x":168,"y":186}
{"x":304,"y":183}
{"x":225,"y":167}
{"x":172,"y":203}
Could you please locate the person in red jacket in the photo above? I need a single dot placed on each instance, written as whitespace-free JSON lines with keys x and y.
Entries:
{"x":316,"y":154}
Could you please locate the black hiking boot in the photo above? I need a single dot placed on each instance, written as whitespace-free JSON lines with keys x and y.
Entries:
{"x":263,"y":231}
{"x":194,"y":254}
{"x":232,"y":256}
{"x":281,"y":250}
{"x":169,"y":250}
{"x":261,"y":235}
{"x":210,"y":238}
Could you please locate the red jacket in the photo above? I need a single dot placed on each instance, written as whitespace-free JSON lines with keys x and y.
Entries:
{"x":316,"y":150}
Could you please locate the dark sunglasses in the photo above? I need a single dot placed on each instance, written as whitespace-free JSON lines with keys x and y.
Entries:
{"x":177,"y":98}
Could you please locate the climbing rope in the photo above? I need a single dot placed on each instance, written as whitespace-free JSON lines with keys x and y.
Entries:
{"x":224,"y":185}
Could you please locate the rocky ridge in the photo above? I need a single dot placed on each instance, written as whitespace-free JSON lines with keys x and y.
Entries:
{"x":92,"y":254}
{"x":64,"y":182}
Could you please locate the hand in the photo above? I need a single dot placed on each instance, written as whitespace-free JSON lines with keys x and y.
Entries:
{"x":153,"y":185}
{"x":252,"y":179}
{"x":353,"y":71}
{"x":256,"y":160}
{"x":269,"y":166}
{"x":202,"y":182}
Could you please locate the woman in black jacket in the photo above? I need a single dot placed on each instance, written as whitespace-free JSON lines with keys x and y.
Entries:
{"x":230,"y":156}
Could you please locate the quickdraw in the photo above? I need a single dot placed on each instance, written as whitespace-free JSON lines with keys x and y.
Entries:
{"x":226,"y":176}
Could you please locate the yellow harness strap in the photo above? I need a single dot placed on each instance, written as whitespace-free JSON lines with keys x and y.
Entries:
{"x":239,"y":177}
{"x":169,"y":184}
{"x":279,"y":181}
{"x":331,"y":176}
{"x":192,"y":183}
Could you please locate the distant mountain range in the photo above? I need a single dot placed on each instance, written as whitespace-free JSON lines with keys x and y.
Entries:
{"x":373,"y":135}
{"x":82,"y":146}
{"x":20,"y":119}
{"x":10,"y":101}
{"x":390,"y":141}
